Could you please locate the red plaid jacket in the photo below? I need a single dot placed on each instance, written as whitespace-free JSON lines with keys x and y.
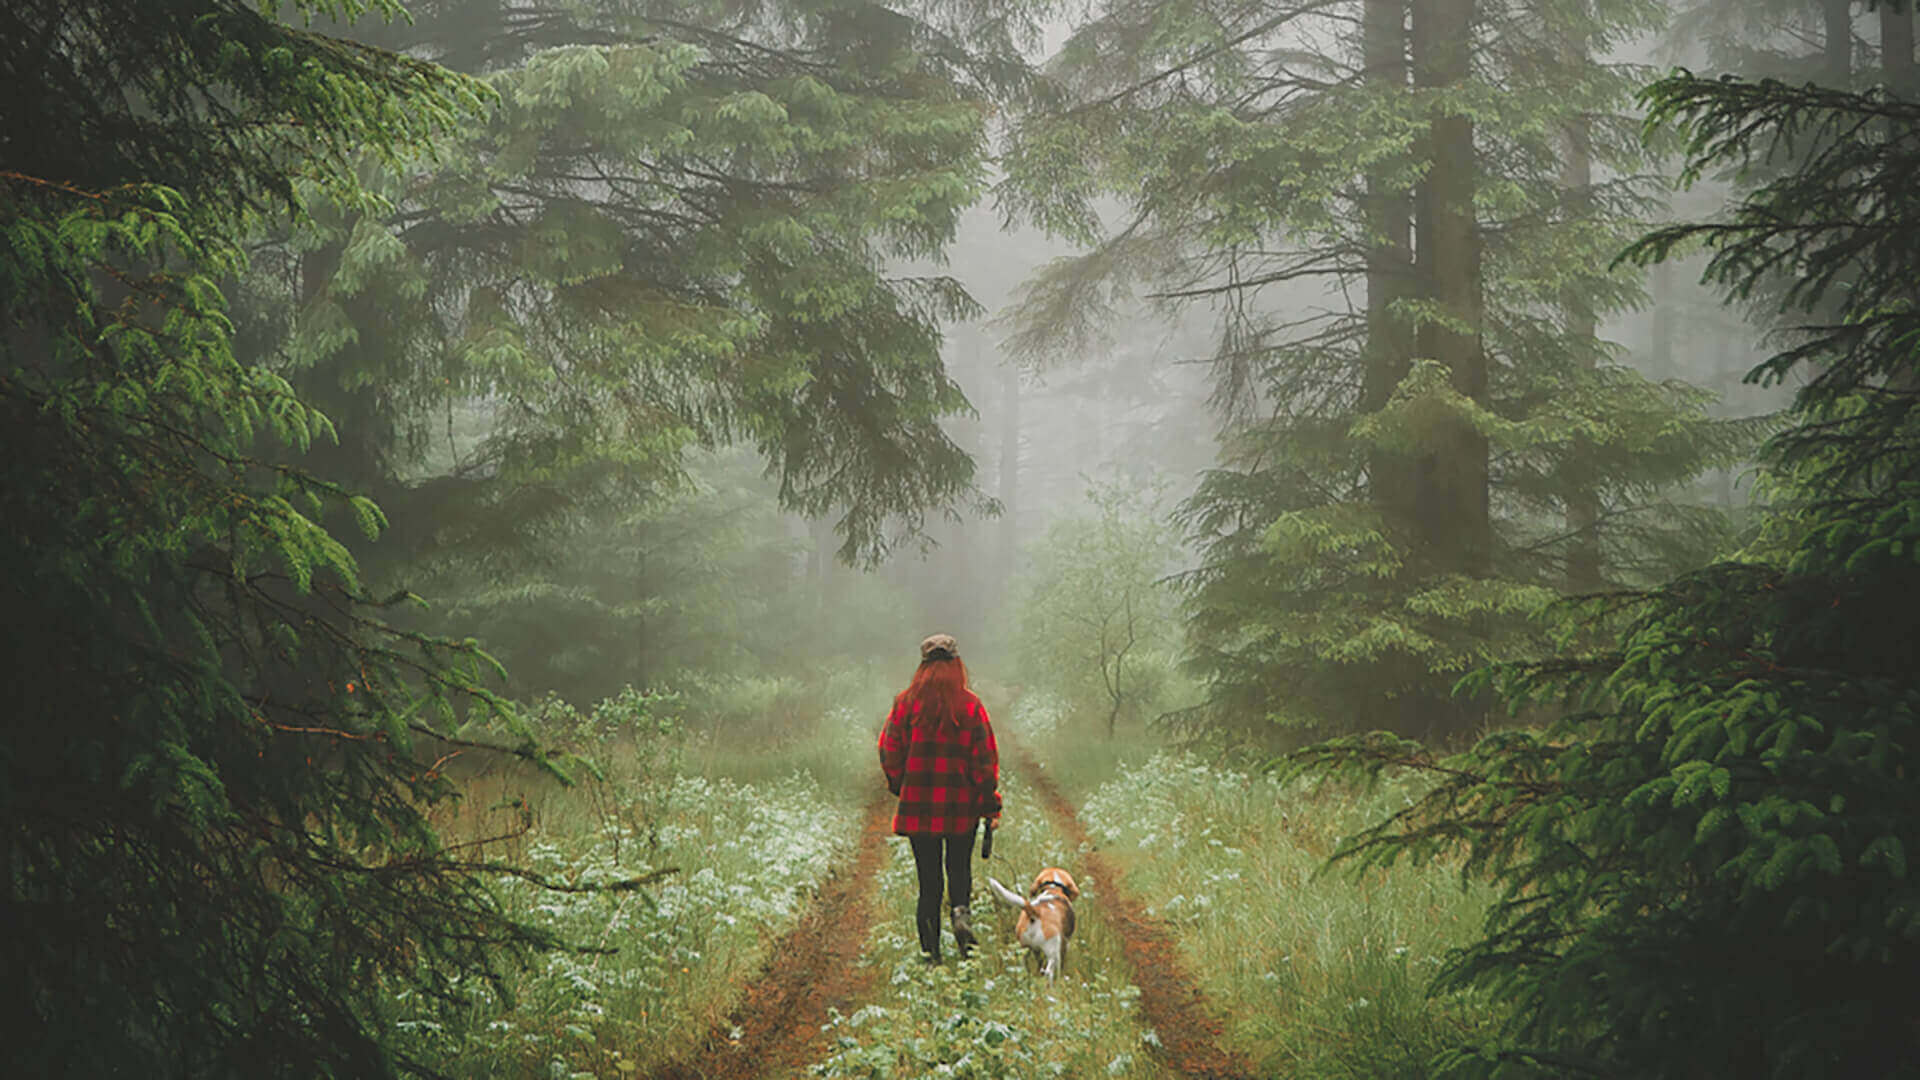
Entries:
{"x":947,"y":779}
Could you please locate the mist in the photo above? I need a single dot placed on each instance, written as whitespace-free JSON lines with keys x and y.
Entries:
{"x":635,"y":538}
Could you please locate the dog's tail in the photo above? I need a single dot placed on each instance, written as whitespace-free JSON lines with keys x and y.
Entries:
{"x":1012,"y":899}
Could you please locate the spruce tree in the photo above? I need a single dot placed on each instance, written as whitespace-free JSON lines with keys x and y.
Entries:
{"x":681,"y":228}
{"x":1413,"y":471}
{"x":1704,"y":862}
{"x":216,"y":856}
{"x":676,"y":229}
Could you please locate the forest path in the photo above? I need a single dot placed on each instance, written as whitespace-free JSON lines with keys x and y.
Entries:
{"x":775,"y":1030}
{"x":1169,"y":998}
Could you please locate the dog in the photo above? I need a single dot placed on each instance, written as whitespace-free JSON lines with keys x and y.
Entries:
{"x":1046,"y":916}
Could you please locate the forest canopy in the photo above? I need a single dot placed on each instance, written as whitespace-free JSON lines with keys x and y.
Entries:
{"x":218,"y":848}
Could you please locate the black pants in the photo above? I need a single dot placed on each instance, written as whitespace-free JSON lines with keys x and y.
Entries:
{"x":932,"y":854}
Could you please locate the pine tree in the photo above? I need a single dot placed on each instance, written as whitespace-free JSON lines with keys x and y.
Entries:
{"x":1402,"y":468}
{"x":215,"y":847}
{"x":675,"y":230}
{"x":1704,"y":863}
{"x":1817,"y":41}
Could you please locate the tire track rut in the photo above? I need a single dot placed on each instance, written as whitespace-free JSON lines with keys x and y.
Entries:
{"x":814,"y":968}
{"x":1171,"y":1001}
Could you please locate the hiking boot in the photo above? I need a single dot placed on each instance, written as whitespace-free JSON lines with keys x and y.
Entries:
{"x":963,"y":930}
{"x":928,"y":927}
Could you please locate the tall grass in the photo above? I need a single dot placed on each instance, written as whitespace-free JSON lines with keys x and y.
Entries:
{"x":1318,"y":973}
{"x":748,"y":828}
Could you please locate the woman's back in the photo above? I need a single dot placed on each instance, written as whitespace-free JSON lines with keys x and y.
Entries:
{"x":939,"y":756}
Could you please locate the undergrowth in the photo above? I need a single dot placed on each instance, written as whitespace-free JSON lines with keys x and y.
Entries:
{"x":1316,"y":973}
{"x":740,"y":832}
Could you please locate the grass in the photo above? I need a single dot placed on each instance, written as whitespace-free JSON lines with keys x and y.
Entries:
{"x":1317,"y":973}
{"x":750,"y":830}
{"x":992,"y":1016}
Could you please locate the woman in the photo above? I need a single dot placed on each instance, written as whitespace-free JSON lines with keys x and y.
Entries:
{"x":938,"y":752}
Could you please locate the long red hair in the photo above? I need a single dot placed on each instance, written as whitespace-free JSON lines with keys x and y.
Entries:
{"x":940,"y":686}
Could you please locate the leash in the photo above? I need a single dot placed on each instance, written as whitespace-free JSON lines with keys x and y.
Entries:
{"x":986,"y":842}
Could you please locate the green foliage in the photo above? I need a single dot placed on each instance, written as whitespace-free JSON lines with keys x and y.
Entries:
{"x":217,"y":855}
{"x":1096,"y":620}
{"x":1702,"y":863}
{"x":1309,"y":625}
{"x":672,"y":232}
{"x":946,"y":1030}
{"x":767,"y":709}
{"x":1312,"y":613}
{"x":1255,"y":175}
{"x":735,"y":863}
{"x":1315,"y":975}
{"x":217,"y":99}
{"x":1736,"y":778}
{"x":632,"y":716}
{"x":703,"y":581}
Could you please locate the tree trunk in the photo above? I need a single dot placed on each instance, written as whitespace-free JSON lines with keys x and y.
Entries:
{"x":1009,"y":476}
{"x":1451,"y":492}
{"x":1390,"y":276}
{"x":1896,"y":66}
{"x":1896,"y":50}
{"x":1115,"y":690}
{"x":1660,"y":356}
{"x":1450,"y":496}
{"x":1584,"y":567}
{"x":1837,"y":42}
{"x":822,"y":561}
{"x":1728,"y":372}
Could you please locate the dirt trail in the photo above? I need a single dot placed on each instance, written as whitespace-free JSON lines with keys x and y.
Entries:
{"x":1170,"y":1000}
{"x":814,"y":968}
{"x":817,"y":967}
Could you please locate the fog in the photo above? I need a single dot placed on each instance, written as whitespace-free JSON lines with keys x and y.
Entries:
{"x":1170,"y":360}
{"x":481,"y":476}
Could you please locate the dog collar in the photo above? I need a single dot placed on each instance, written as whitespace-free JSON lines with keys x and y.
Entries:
{"x":1050,"y":883}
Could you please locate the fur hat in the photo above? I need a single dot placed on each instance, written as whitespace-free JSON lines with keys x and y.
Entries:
{"x":939,"y":647}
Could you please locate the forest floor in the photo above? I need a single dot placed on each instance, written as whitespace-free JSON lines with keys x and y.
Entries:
{"x":1172,"y":1003}
{"x":776,"y":1030}
{"x":1210,"y":941}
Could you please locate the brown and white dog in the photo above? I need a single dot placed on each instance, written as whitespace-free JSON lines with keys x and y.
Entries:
{"x":1046,"y":915}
